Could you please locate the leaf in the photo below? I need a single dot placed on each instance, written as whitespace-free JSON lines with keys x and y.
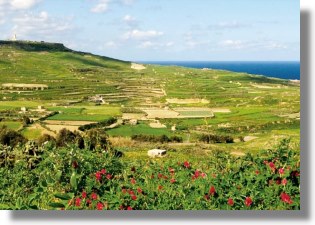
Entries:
{"x":73,"y":181}
{"x":56,"y":205}
{"x":63,"y":196}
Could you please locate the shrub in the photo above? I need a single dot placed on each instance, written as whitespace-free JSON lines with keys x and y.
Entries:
{"x":10,"y":137}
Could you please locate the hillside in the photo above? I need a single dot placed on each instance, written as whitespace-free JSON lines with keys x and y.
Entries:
{"x":163,"y":100}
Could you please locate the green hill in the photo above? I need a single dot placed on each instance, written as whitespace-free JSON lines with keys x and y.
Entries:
{"x":86,"y":87}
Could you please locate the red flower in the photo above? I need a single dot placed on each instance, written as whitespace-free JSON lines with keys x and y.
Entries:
{"x":286,"y":198}
{"x":186,"y":164}
{"x":98,"y":176}
{"x":248,"y":201}
{"x":88,"y":201}
{"x":160,"y":187}
{"x":214,"y":175}
{"x":139,"y":190}
{"x":78,"y":202}
{"x":230,"y":202}
{"x":284,"y":181}
{"x":281,"y":171}
{"x":207,"y":197}
{"x":203,"y":175}
{"x":152,"y":176}
{"x":172,"y":180}
{"x":84,"y":194}
{"x":103,"y":171}
{"x":171,"y":170}
{"x":109,"y":176}
{"x":133,"y":181}
{"x":99,"y":206}
{"x":272,"y":165}
{"x":257,"y":172}
{"x":212,"y":190}
{"x":133,"y":197}
{"x":129,"y":208}
{"x":94,"y":196}
{"x":123,"y":191}
{"x":197,"y":173}
{"x":160,"y":175}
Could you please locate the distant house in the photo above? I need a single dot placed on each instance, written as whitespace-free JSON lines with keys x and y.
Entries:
{"x":97,"y":99}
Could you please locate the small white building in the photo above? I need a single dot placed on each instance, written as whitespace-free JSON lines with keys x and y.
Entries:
{"x":156,"y":153}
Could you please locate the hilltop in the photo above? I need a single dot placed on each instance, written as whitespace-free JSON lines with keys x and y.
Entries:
{"x":39,"y":78}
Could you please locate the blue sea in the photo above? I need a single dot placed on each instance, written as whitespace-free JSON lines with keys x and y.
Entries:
{"x":284,"y":70}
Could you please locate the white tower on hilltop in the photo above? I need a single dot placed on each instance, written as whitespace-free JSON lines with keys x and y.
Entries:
{"x":14,"y":38}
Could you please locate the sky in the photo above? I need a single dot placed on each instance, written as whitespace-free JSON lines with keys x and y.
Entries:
{"x":161,"y":30}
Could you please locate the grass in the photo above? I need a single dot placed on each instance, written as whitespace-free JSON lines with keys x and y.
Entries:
{"x":129,"y":130}
{"x":31,"y":134}
{"x":11,"y":124}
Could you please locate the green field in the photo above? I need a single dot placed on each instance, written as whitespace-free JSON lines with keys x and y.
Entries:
{"x":129,"y":130}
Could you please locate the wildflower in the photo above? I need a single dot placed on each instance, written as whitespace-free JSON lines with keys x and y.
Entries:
{"x":84,"y":194}
{"x":133,"y":197}
{"x":160,"y":187}
{"x":103,"y":171}
{"x":171,"y":170}
{"x":248,"y":201}
{"x":99,"y":206}
{"x":186,"y":164}
{"x":94,"y":196}
{"x":152,"y":176}
{"x":278,"y":180}
{"x":160,"y":175}
{"x":197,"y":173}
{"x":133,"y":181}
{"x":108,"y":176}
{"x":172,"y":180}
{"x":272,"y":166}
{"x":281,"y":171}
{"x":207,"y":197}
{"x":139,"y":190}
{"x":257,"y":172}
{"x":123,"y":191}
{"x":129,"y":208}
{"x":212,"y":190}
{"x":78,"y":202}
{"x":131,"y":192}
{"x":230,"y":202}
{"x":88,"y":202}
{"x":98,"y":176}
{"x":284,"y":181}
{"x":286,"y":198}
{"x":203,"y":175}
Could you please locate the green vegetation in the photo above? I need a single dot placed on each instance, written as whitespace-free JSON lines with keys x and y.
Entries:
{"x":129,"y":130}
{"x":93,"y":109}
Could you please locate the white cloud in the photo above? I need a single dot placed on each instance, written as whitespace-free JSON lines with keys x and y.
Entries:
{"x":233,"y":44}
{"x":40,"y":26}
{"x":128,"y":18}
{"x":23,"y":4}
{"x":257,"y":45}
{"x":228,"y":25}
{"x":110,"y":44}
{"x":142,"y":35}
{"x":6,"y":5}
{"x":101,"y":6}
{"x":155,"y":45}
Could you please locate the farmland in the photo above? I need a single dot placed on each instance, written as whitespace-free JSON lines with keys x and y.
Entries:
{"x":196,"y":115}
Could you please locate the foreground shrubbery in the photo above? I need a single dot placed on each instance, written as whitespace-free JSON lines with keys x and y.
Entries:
{"x":73,"y":178}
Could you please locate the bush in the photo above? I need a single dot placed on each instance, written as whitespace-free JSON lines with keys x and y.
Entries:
{"x":101,"y":124}
{"x":155,"y":138}
{"x":10,"y":137}
{"x":65,"y":137}
{"x":45,"y":138}
{"x":210,"y":138}
{"x":97,"y":138}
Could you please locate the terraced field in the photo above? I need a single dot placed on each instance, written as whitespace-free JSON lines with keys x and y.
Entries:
{"x":81,"y":87}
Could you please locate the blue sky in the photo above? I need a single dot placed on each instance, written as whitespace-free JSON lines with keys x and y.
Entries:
{"x":191,"y":30}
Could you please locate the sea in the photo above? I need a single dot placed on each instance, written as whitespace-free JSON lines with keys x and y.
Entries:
{"x":279,"y":69}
